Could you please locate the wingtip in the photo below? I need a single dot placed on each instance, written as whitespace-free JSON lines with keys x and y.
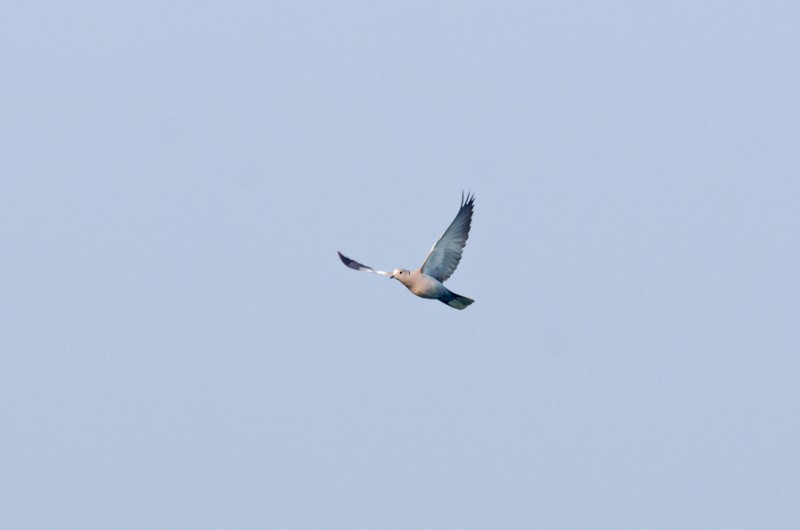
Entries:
{"x":467,"y":199}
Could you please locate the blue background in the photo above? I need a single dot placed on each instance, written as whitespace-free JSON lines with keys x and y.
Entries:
{"x":181,"y":347}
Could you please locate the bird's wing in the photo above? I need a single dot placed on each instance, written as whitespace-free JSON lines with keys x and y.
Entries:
{"x":353,"y":264}
{"x":446,"y":252}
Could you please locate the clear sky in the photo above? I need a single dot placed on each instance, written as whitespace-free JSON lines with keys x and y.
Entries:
{"x":180,"y":346}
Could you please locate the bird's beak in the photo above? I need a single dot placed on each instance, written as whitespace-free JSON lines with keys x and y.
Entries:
{"x":392,"y":277}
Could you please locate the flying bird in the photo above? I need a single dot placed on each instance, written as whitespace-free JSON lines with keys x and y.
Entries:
{"x":427,"y":281}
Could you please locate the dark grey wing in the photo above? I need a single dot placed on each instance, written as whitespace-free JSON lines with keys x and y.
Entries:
{"x":353,"y":264}
{"x":446,"y":252}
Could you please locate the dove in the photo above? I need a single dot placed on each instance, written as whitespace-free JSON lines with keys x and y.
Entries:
{"x":445,"y":255}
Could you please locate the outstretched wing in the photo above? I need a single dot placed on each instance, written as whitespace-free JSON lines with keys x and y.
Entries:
{"x":446,"y":252}
{"x":353,"y":264}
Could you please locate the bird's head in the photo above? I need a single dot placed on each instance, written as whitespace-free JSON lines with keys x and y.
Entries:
{"x":399,"y":274}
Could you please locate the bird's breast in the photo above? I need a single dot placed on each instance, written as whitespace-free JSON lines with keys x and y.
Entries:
{"x":425,"y":286}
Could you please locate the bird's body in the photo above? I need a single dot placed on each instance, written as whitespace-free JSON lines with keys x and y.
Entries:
{"x":423,"y":285}
{"x":427,"y":281}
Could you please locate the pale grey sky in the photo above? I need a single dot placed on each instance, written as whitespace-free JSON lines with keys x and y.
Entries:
{"x":182,"y":348}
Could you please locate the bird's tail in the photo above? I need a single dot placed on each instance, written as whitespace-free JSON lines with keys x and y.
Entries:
{"x":455,"y":300}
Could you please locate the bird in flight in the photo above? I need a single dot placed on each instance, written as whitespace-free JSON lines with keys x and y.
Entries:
{"x":427,"y":281}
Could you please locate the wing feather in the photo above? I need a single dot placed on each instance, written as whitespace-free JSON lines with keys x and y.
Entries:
{"x":353,"y":264}
{"x":445,"y":255}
